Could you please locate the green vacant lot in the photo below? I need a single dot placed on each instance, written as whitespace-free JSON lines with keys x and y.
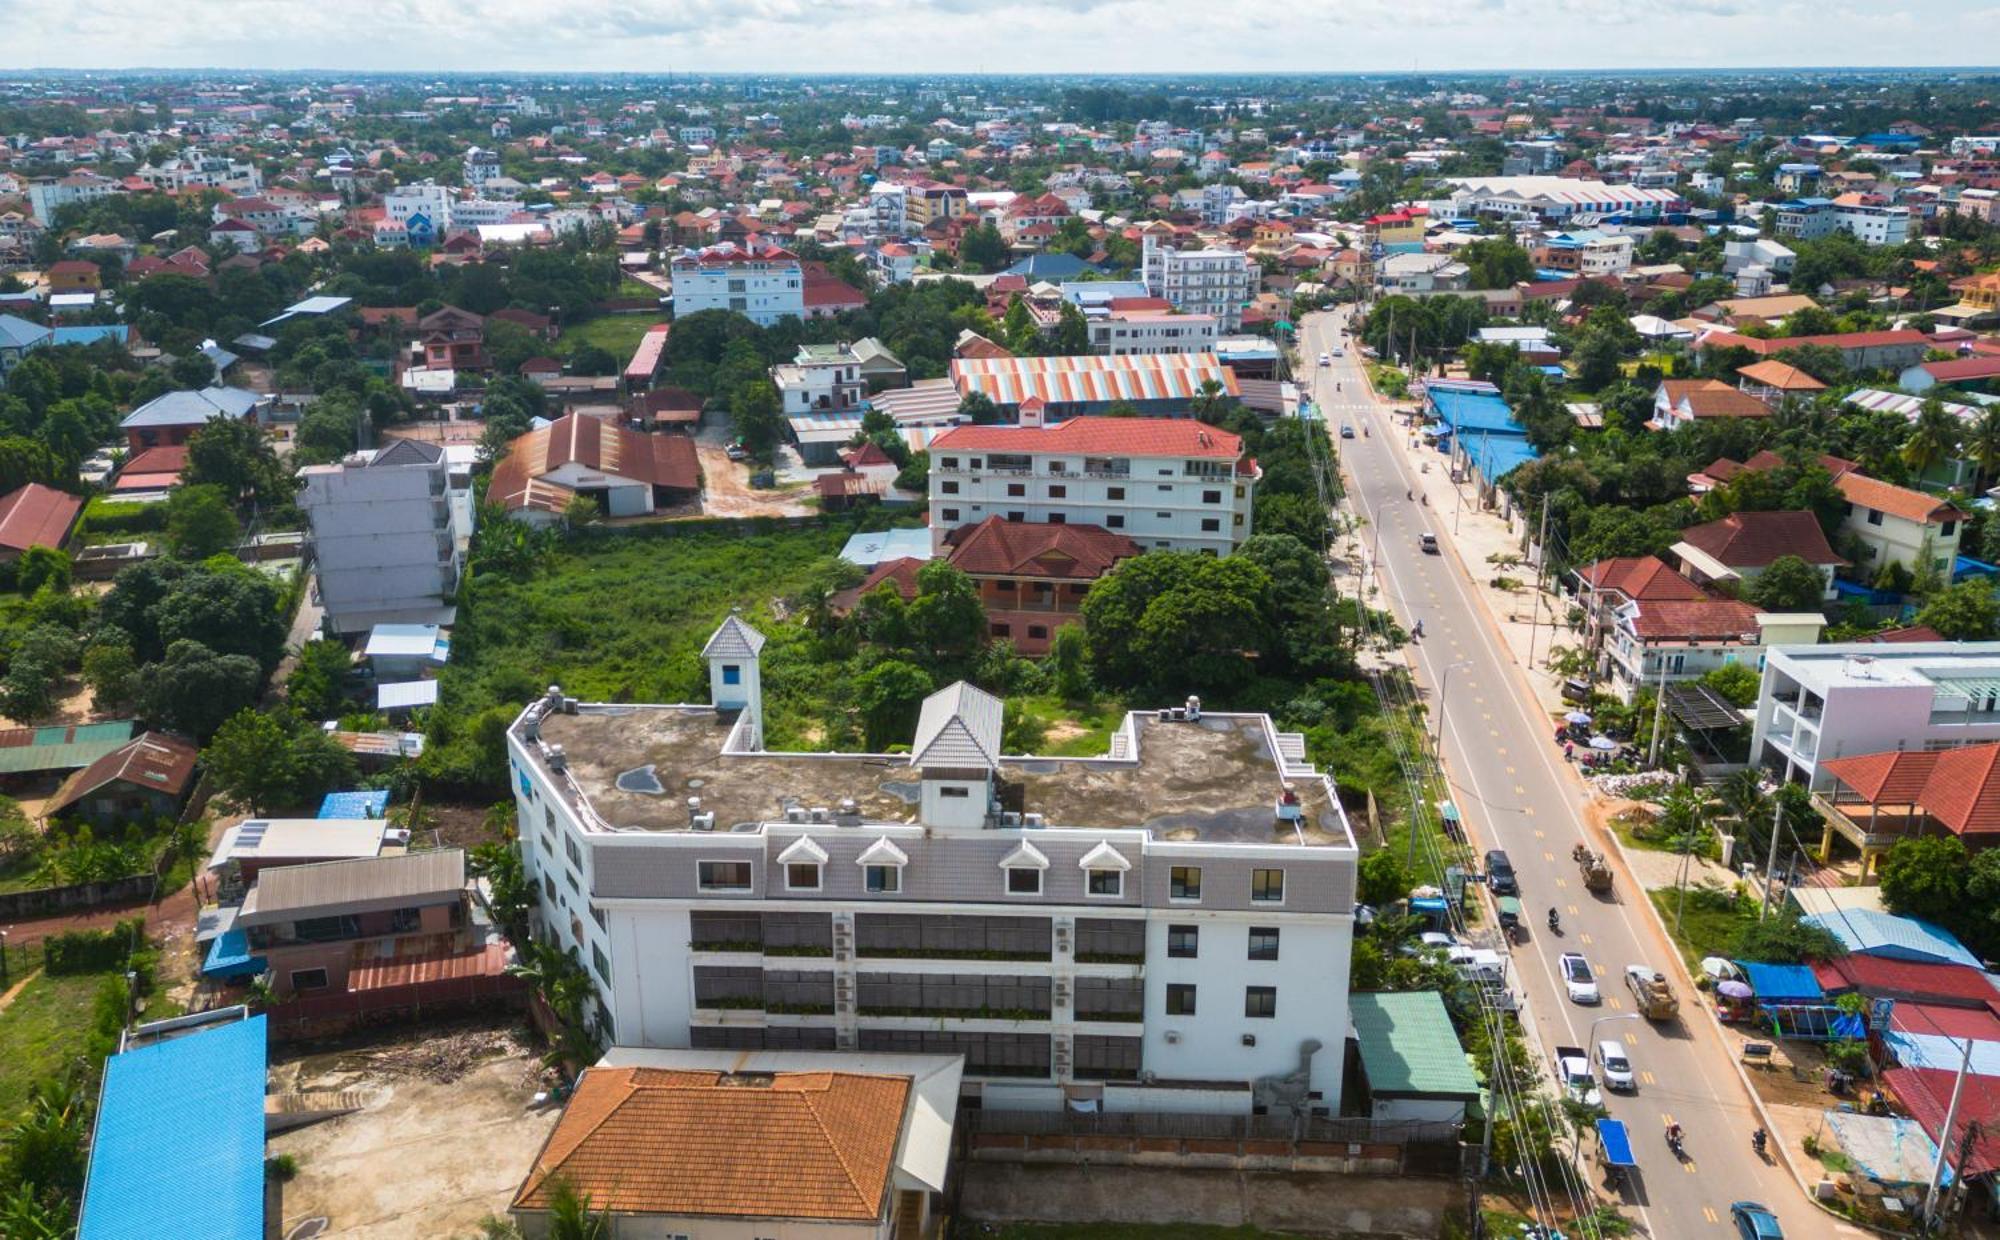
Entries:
{"x":616,"y":334}
{"x":42,"y":1029}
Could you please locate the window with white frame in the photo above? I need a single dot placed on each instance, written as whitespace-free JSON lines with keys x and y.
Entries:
{"x":723,"y":875}
{"x":1105,"y":882}
{"x":1023,"y":880}
{"x":802,"y":876}
{"x":882,"y":879}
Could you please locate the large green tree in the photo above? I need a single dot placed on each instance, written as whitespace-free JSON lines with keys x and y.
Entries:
{"x":275,"y":760}
{"x":1788,"y":583}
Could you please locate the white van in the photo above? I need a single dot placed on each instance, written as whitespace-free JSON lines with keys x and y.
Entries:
{"x":1617,"y":1066}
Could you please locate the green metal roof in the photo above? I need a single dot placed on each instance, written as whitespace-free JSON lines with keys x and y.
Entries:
{"x":1408,"y":1046}
{"x":26,"y":750}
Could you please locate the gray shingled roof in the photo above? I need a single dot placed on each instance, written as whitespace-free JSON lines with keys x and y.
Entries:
{"x":733,"y":639}
{"x":192,"y":408}
{"x":959,"y":726}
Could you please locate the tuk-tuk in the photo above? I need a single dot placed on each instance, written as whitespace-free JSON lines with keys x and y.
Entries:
{"x":1510,"y":915}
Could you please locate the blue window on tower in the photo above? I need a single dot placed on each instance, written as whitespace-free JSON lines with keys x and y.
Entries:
{"x":732,"y":674}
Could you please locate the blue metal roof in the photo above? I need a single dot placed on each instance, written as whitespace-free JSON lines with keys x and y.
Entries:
{"x":1936,"y":1050}
{"x":367,"y":804}
{"x":1870,"y":933}
{"x":229,"y":956}
{"x":179,"y":1146}
{"x":1783,"y":983}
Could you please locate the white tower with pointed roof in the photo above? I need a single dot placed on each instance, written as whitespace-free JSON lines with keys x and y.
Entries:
{"x":735,"y":681}
{"x":956,"y":752}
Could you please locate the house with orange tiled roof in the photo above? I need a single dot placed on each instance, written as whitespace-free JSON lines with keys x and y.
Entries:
{"x":1876,"y":799}
{"x":796,"y":1143}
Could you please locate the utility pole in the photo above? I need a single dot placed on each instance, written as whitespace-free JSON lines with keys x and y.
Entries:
{"x":1944,"y":1135}
{"x":1535,"y":602}
{"x":1659,"y":711}
{"x":1771,"y":865}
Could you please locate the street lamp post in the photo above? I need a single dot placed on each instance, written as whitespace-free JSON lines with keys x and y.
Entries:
{"x":1444,"y":687}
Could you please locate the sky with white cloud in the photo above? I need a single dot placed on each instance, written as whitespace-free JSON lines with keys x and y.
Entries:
{"x":991,"y":36}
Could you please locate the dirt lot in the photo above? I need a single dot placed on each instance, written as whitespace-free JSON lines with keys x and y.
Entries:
{"x":444,"y":1138}
{"x":726,"y":490}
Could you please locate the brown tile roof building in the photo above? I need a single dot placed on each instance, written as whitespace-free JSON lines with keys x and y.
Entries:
{"x":997,"y":546}
{"x":1694,"y":619}
{"x":595,"y":444}
{"x":1646,"y":578}
{"x":1712,"y":398}
{"x":1757,"y":539}
{"x":1783,"y":376}
{"x":1959,"y":788}
{"x":798,"y":1145}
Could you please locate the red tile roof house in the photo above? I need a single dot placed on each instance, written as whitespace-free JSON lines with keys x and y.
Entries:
{"x":1743,"y":544}
{"x":1031,"y":575}
{"x":1884,"y":350}
{"x":1878,"y":798}
{"x":1607,"y":585}
{"x":1678,"y":402}
{"x":36,"y":516}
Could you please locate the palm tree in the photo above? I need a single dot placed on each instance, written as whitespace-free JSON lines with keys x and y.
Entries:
{"x":1933,"y":438}
{"x":1982,"y":444}
{"x":570,"y":1217}
{"x":1210,"y":401}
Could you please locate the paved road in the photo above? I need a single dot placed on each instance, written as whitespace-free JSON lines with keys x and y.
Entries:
{"x":1516,"y":793}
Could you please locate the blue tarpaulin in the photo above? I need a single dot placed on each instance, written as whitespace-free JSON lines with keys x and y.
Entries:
{"x":372,"y":804}
{"x":229,"y":956}
{"x":1782,"y":983}
{"x":1617,"y":1143}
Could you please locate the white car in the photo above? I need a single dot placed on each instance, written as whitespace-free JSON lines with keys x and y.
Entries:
{"x":1338,"y":353}
{"x":1578,"y":978}
{"x":1325,"y":359}
{"x":1617,"y":1065}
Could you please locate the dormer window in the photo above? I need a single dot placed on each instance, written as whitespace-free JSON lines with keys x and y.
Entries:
{"x":803,"y":860}
{"x":1024,"y":867}
{"x":882,"y":867}
{"x":1104,"y":870}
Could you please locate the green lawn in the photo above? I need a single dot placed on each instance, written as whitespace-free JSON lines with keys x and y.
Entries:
{"x":1097,"y":721}
{"x":616,"y":334}
{"x":41,"y":1031}
{"x":1709,"y":924}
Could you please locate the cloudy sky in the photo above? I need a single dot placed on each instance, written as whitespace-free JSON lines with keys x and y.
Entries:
{"x":992,"y":36}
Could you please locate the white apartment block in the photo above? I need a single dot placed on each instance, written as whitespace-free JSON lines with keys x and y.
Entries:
{"x":1166,"y":927}
{"x":45,"y":198}
{"x":762,"y":283}
{"x":238,"y":177}
{"x":389,"y":534}
{"x":426,"y":198}
{"x":1165,"y":483}
{"x":1839,"y":700}
{"x":1116,"y":333}
{"x":1873,"y":223}
{"x":481,"y":166}
{"x":1213,"y":282}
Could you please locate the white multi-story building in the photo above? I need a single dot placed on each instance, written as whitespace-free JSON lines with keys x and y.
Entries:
{"x":1215,"y":282}
{"x":888,"y":209}
{"x":1165,"y":483}
{"x":1165,"y":927}
{"x":481,"y":166}
{"x":45,"y":198}
{"x":196,"y":171}
{"x":1838,"y":700}
{"x":389,"y":535}
{"x":426,"y":198}
{"x":761,"y":282}
{"x":820,"y":379}
{"x":1872,"y":222}
{"x":1116,"y":333}
{"x":697,"y":135}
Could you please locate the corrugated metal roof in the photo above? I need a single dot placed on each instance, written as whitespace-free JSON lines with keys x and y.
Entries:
{"x":1407,"y":1044}
{"x":24,"y":750}
{"x":1096,"y":380}
{"x":286,"y":892}
{"x":1904,"y":938}
{"x":179,"y":1143}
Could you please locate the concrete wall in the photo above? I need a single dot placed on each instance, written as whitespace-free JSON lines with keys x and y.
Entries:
{"x":1313,"y":1203}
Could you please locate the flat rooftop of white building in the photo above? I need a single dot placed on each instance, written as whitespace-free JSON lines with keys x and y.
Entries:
{"x":1216,"y":780}
{"x":1849,"y":664}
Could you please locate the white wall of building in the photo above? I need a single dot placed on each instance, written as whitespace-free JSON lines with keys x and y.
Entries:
{"x":1158,"y":504}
